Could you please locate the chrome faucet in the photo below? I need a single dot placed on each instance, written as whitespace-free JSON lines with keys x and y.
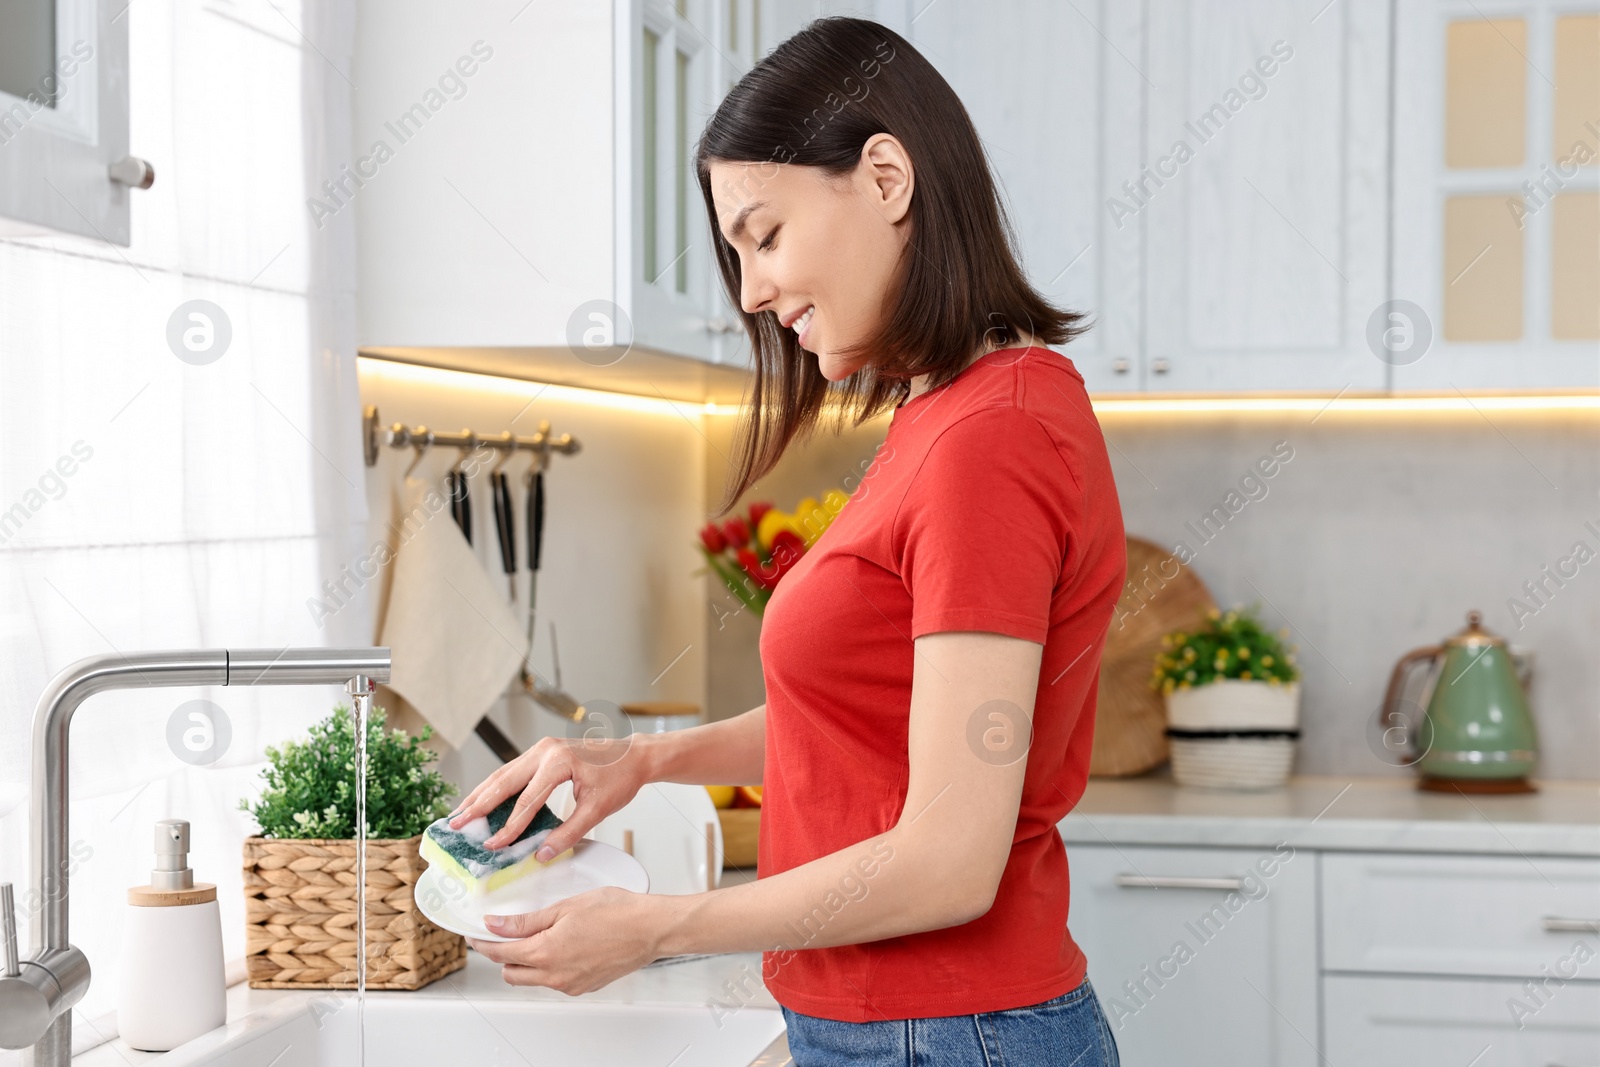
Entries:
{"x":37,"y":993}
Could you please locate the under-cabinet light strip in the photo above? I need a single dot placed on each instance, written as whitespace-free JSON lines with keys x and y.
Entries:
{"x":522,"y":387}
{"x":525,"y":389}
{"x":1374,"y":404}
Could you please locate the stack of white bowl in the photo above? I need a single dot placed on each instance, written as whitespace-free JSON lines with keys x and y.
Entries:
{"x":1233,"y":733}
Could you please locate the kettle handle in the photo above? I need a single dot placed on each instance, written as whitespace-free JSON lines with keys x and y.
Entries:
{"x":1397,"y":680}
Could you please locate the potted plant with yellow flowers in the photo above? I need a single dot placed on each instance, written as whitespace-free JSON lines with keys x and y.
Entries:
{"x":1232,"y":693}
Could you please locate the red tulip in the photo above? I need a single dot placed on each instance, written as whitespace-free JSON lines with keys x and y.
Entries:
{"x":736,"y":532}
{"x":758,"y":509}
{"x":787,"y":548}
{"x":712,"y":538}
{"x":764,"y":575}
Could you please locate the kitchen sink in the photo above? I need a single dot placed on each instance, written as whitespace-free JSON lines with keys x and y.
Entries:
{"x":322,"y":1032}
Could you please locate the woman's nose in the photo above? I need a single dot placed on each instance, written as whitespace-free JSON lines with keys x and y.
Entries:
{"x":755,"y":292}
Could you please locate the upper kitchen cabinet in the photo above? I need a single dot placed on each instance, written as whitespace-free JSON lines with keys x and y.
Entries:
{"x":1497,"y":199}
{"x":1263,"y":194}
{"x":64,"y":163}
{"x":1057,"y":108}
{"x":1153,"y":158}
{"x":514,"y":196}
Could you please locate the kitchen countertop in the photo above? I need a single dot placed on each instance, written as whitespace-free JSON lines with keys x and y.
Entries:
{"x":1320,"y":812}
{"x":1343,"y":813}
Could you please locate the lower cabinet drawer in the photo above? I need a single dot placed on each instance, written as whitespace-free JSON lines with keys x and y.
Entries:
{"x":1534,"y":917}
{"x":1201,"y":957}
{"x":1405,"y":1022}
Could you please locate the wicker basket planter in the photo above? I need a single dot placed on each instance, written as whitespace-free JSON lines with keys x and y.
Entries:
{"x":300,"y":917}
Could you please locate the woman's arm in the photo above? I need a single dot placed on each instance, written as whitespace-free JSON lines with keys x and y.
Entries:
{"x":939,"y":865}
{"x":729,"y":752}
{"x":726,"y":753}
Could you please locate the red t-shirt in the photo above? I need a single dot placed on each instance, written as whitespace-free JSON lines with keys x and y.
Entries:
{"x":991,"y":507}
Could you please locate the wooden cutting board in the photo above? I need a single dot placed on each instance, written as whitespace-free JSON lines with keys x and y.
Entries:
{"x":1161,"y":596}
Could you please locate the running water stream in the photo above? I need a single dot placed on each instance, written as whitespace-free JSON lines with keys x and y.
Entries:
{"x":362,"y":699}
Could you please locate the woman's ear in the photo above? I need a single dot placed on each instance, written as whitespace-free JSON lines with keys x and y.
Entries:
{"x":886,"y":176}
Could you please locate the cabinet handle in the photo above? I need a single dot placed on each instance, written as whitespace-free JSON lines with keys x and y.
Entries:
{"x":1160,"y":366}
{"x":1145,"y":881}
{"x":721,"y":324}
{"x":1120,"y":365}
{"x":1556,"y":925}
{"x":133,"y":172}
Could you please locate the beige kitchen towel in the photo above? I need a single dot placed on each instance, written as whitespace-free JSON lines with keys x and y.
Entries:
{"x":453,"y":639}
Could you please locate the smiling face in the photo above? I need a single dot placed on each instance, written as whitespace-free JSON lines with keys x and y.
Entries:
{"x":819,"y":252}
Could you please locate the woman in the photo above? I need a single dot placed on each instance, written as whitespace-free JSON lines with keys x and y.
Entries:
{"x":931,"y":662}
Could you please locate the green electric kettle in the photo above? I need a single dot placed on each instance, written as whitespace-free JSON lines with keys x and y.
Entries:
{"x":1476,"y":733}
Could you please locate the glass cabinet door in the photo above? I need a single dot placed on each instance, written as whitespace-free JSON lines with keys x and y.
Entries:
{"x":63,"y":118}
{"x":1497,"y":193}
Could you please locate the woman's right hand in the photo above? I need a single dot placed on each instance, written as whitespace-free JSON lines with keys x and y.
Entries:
{"x":602,"y":782}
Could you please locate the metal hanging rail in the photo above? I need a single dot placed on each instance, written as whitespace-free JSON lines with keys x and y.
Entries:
{"x":399,"y":435}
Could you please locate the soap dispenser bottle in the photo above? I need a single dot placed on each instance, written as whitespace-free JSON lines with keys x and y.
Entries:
{"x":172,"y":986}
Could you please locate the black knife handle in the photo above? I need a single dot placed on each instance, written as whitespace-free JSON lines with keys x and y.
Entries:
{"x":498,"y":742}
{"x":460,"y":504}
{"x":503,"y":523}
{"x":536,"y":520}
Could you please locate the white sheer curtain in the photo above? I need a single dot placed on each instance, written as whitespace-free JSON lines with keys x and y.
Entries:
{"x":206,"y":504}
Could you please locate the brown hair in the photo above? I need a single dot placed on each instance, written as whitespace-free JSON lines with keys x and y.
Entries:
{"x":814,"y":100}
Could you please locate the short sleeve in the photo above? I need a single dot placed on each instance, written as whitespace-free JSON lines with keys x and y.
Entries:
{"x":983,"y":531}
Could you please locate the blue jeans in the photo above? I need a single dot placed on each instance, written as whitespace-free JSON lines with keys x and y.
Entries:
{"x":1068,"y":1031}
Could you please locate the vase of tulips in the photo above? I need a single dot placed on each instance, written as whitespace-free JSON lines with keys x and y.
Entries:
{"x":752,"y":552}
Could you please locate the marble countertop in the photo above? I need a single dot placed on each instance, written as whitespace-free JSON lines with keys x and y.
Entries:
{"x":1357,"y":814}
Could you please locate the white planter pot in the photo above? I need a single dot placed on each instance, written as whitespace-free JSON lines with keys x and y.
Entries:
{"x":1233,"y":734}
{"x":1236,"y":704}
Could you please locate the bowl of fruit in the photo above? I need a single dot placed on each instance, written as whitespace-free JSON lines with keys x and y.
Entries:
{"x":739,"y":811}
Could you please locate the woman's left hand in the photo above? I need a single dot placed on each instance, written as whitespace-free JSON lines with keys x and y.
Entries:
{"x":578,"y":944}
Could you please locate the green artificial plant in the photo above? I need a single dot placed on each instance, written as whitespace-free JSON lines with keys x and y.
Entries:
{"x":311,"y":785}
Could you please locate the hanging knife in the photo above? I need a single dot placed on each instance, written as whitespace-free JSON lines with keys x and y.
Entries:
{"x":505,"y":526}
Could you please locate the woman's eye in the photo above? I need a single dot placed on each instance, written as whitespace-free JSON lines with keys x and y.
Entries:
{"x":767,"y":243}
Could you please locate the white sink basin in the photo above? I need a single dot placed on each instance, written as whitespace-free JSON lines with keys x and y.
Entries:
{"x":705,"y":1012}
{"x":489,"y":1034}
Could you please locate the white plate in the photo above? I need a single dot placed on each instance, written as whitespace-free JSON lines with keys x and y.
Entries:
{"x":592,"y":865}
{"x":669,"y":821}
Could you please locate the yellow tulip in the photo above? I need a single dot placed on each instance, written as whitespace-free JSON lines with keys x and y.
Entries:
{"x":810,"y":519}
{"x":772,"y":522}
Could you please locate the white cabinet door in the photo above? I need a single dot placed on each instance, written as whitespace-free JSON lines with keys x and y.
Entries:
{"x":1514,"y":916}
{"x":1409,"y":1022}
{"x":1264,"y":193}
{"x":1191,"y":971}
{"x":1054,"y":91}
{"x":669,"y":77}
{"x":486,"y":190}
{"x":1497,"y":213}
{"x":546,"y":200}
{"x":64,"y":118}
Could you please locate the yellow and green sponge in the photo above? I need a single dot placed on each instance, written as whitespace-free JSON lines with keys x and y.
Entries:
{"x":461,"y":854}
